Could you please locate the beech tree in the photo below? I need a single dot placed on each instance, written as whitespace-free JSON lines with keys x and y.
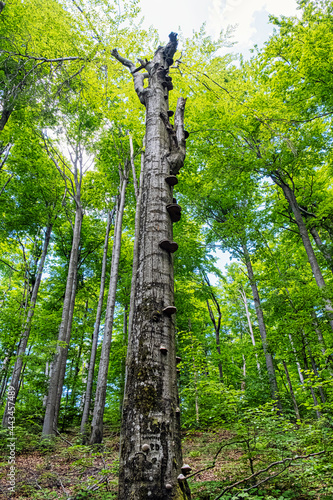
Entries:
{"x":150,"y":455}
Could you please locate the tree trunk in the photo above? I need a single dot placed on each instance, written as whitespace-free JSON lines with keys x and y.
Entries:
{"x":87,"y":397}
{"x":290,"y":197}
{"x":244,"y":373}
{"x":63,"y":366}
{"x":136,"y":247}
{"x":217,"y":326}
{"x":292,"y":394}
{"x":249,"y":322}
{"x":322,"y":247}
{"x":25,"y":335}
{"x":100,"y":396}
{"x":314,"y":398}
{"x":55,"y":378}
{"x":150,"y":453}
{"x":262,"y":328}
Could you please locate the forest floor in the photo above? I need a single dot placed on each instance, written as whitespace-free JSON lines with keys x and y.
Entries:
{"x":66,"y":469}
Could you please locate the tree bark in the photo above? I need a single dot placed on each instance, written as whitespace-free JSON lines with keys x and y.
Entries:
{"x":90,"y":379}
{"x":63,"y":338}
{"x":16,"y":374}
{"x":100,"y":396}
{"x":262,"y":327}
{"x":150,"y":452}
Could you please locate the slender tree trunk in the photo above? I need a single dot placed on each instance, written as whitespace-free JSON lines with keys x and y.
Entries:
{"x":90,"y":379}
{"x":27,"y":328}
{"x":290,"y":197}
{"x":100,"y":396}
{"x":249,"y":322}
{"x":315,"y":371}
{"x":150,"y":450}
{"x":136,"y":247}
{"x":55,"y":379}
{"x":314,"y":398}
{"x":322,"y":247}
{"x":299,"y":369}
{"x":292,"y":394}
{"x":63,"y":366}
{"x":217,"y":327}
{"x":244,"y":373}
{"x":262,"y":328}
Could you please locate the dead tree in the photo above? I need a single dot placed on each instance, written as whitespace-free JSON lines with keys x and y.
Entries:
{"x":150,"y":455}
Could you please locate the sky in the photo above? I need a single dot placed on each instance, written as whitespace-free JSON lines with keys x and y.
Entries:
{"x":249,"y":16}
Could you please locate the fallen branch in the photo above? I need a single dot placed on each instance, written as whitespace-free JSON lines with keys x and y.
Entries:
{"x":64,"y":439}
{"x":215,"y":458}
{"x":288,"y":460}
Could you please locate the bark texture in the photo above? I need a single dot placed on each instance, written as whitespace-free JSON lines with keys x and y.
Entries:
{"x":150,"y":454}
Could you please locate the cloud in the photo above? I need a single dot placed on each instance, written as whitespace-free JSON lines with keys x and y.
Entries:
{"x":245,"y":14}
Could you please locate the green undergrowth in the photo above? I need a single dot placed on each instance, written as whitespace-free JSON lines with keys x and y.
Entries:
{"x":260,"y":440}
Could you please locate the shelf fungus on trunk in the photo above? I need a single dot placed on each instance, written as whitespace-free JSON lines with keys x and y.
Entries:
{"x":169,"y":246}
{"x":172,"y":180}
{"x":186,"y":469}
{"x":174,"y":210}
{"x":169,"y":310}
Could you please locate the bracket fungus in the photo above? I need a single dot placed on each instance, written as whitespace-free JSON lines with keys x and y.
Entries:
{"x":186,"y":469}
{"x":163,"y":349}
{"x":169,"y":246}
{"x":145,"y":447}
{"x":169,"y":310}
{"x":174,"y":211}
{"x":171,"y":180}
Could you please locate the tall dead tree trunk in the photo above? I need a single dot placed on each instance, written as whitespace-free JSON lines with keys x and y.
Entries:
{"x":25,"y":335}
{"x":100,"y":396}
{"x":150,"y":454}
{"x":87,"y":397}
{"x":262,"y":327}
